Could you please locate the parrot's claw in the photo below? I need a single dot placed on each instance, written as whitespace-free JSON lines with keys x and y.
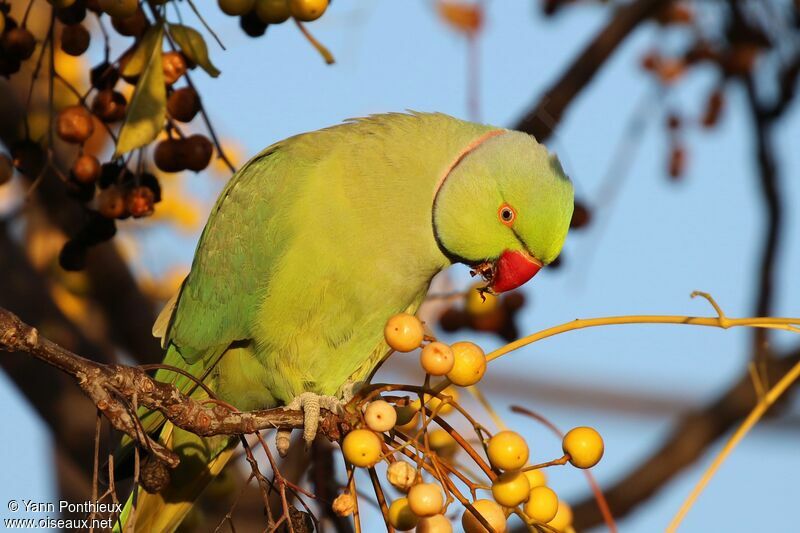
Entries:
{"x":311,"y":405}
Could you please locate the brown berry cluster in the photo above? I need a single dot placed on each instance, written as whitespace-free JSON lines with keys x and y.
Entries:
{"x":17,"y":44}
{"x":113,"y":189}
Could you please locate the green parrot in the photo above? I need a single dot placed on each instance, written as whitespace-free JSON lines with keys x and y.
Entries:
{"x":317,"y":241}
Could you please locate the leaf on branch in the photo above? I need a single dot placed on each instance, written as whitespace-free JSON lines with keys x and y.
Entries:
{"x":193,"y":46}
{"x":461,"y":16}
{"x":148,"y":106}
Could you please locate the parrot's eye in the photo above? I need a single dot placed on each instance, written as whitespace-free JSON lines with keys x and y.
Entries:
{"x":506,"y":214}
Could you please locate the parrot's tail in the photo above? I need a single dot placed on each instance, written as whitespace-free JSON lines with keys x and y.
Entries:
{"x":201,"y":460}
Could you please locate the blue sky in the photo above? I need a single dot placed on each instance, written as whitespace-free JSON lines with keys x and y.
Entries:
{"x":661,"y":240}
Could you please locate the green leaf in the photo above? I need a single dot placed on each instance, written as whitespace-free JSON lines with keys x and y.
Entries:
{"x":148,"y":108}
{"x":193,"y":46}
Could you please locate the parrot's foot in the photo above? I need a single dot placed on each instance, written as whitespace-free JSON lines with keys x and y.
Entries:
{"x":312,"y":404}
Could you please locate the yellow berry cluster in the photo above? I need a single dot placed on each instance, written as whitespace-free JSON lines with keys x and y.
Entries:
{"x":276,"y":11}
{"x":517,"y":487}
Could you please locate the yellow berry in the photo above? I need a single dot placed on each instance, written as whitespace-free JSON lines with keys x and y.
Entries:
{"x":440,"y":406}
{"x":434,"y":524}
{"x":425,"y":499}
{"x":344,"y":504}
{"x":542,"y":504}
{"x":563,"y":519}
{"x":307,"y":10}
{"x":119,"y":8}
{"x":441,"y":442}
{"x":401,"y":475}
{"x":437,"y":359}
{"x":511,"y":488}
{"x":272,"y":11}
{"x":236,"y":8}
{"x":404,"y":332}
{"x":536,"y":478}
{"x":584,"y":445}
{"x":380,"y":416}
{"x":401,"y":516}
{"x":480,"y":303}
{"x":507,"y":450}
{"x":469,"y":365}
{"x":362,"y":447}
{"x":490,"y":511}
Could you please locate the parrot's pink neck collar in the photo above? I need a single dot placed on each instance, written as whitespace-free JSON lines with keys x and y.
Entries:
{"x":461,"y":155}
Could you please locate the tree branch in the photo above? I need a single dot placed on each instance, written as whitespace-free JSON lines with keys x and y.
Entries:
{"x":542,"y":118}
{"x":117,"y":390}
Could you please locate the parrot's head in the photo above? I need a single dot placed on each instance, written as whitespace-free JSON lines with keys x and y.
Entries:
{"x":504,"y":209}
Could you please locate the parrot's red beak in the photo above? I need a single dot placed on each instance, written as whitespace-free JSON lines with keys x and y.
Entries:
{"x":513,"y":269}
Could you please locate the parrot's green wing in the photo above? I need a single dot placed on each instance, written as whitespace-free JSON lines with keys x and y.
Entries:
{"x":218,"y":300}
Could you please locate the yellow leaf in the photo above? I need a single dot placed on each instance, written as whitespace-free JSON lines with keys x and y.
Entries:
{"x":148,"y":107}
{"x":193,"y":46}
{"x":461,"y":16}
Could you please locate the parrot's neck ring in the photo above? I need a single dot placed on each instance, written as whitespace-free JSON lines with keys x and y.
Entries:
{"x":468,"y":149}
{"x":460,"y":157}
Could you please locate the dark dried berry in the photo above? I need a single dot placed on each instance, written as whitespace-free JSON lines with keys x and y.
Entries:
{"x":86,"y":169}
{"x":132,"y":26}
{"x":83,"y":192}
{"x":673,"y":121}
{"x":104,"y":76}
{"x":9,"y":65}
{"x":113,"y":174}
{"x":197,"y":151}
{"x":174,"y":66}
{"x":94,"y":6}
{"x":75,"y":39}
{"x":140,"y":201}
{"x":27,"y":156}
{"x":109,"y":105}
{"x":453,"y":319}
{"x":73,"y":255}
{"x":183,"y":104}
{"x":18,"y":43}
{"x":252,"y":25}
{"x":168,"y":157}
{"x":151,"y":182}
{"x":73,"y":14}
{"x":75,"y":124}
{"x":581,"y":216}
{"x":514,"y":301}
{"x":111,"y":203}
{"x":6,"y":169}
{"x":98,"y":229}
